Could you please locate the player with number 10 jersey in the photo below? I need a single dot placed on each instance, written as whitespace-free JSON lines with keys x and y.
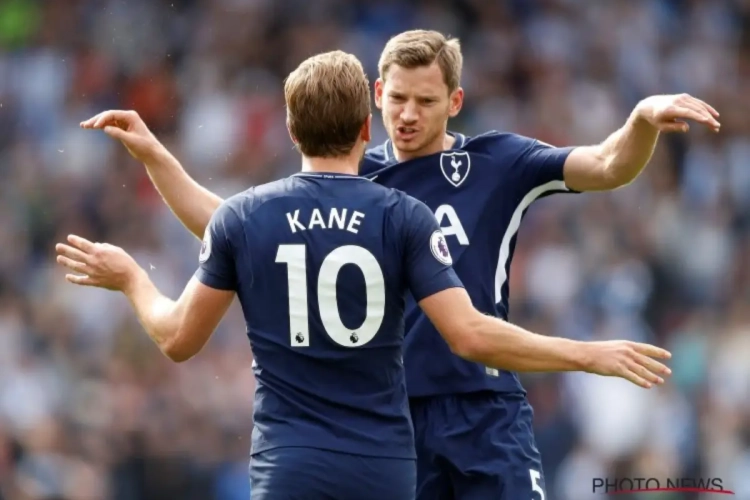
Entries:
{"x":321,"y":263}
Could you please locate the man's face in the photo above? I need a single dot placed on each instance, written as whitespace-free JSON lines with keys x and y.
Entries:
{"x":416,"y":106}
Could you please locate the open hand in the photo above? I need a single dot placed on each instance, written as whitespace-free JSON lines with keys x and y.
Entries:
{"x":98,"y":264}
{"x":669,"y":113}
{"x":629,"y":360}
{"x":130,"y":129}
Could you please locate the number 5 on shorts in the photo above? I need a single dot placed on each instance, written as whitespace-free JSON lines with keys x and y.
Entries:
{"x":535,"y":486}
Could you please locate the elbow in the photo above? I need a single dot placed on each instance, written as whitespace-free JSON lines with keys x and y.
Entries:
{"x":177,"y":357}
{"x":465,"y":342}
{"x":615,"y":174}
{"x":609,"y":179}
{"x":176,"y":351}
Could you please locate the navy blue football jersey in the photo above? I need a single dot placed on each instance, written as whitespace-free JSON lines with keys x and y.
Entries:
{"x":479,"y":191}
{"x":321,"y":264}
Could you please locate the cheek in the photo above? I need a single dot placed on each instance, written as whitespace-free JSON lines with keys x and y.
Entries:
{"x":436,"y":116}
{"x":390,"y":113}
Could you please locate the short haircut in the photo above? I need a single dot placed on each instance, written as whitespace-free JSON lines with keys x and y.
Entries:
{"x":328,"y":102}
{"x":416,"y":48}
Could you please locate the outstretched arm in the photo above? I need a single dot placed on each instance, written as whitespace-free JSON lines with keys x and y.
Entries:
{"x":496,"y":343}
{"x":192,"y":203}
{"x":622,"y":156}
{"x":499,"y":344}
{"x":180,"y":328}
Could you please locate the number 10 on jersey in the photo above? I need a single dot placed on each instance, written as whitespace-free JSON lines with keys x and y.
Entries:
{"x":294,"y":256}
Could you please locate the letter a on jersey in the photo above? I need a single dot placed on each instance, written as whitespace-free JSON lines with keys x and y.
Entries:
{"x":455,"y":166}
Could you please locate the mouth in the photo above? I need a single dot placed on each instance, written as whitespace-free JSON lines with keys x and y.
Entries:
{"x":406,"y":133}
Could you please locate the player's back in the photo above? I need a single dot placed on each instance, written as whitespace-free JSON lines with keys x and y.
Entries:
{"x":322,"y":284}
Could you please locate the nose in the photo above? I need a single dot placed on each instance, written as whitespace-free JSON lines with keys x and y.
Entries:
{"x":409,"y":113}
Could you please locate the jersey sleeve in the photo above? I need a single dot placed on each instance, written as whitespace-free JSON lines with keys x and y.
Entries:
{"x":216,"y":260}
{"x":539,"y":168}
{"x":429,"y":266}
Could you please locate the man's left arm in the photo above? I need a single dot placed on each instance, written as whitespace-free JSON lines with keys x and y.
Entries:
{"x":622,"y":156}
{"x":180,"y":328}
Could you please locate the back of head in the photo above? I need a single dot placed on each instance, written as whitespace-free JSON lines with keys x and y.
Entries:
{"x":416,"y":48}
{"x":328,"y":102}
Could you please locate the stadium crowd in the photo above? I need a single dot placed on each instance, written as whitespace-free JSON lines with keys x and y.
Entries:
{"x":89,"y":409}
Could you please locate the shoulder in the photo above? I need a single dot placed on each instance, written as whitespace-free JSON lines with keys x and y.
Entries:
{"x":268,"y":191}
{"x":377,"y":153}
{"x":251,"y":200}
{"x":376,"y":159}
{"x":505,"y":143}
{"x":406,"y":207}
{"x":241,"y":206}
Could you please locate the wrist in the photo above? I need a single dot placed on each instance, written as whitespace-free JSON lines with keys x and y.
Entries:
{"x":156,"y":156}
{"x":134,"y":281}
{"x":583,"y":356}
{"x":641,"y":114}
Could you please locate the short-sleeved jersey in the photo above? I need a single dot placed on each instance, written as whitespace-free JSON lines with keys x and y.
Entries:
{"x":479,"y":191}
{"x":321,"y":264}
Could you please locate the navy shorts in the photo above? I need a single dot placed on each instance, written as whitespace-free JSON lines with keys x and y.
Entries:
{"x":476,"y":447}
{"x":315,"y":474}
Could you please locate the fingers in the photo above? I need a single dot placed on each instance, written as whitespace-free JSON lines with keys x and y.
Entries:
{"x":701,"y":104}
{"x":71,"y":252}
{"x":633,"y":361}
{"x":81,"y":243}
{"x":651,"y":364}
{"x":90,"y":122}
{"x":98,"y":120}
{"x":73,"y":265}
{"x":674,"y":127}
{"x":116,"y":132}
{"x":701,"y":108}
{"x":73,"y":257}
{"x":109,"y":117}
{"x":644,"y":373}
{"x":710,"y":108}
{"x":684,"y":112}
{"x":641,"y":369}
{"x":81,"y":280}
{"x":650,"y":350}
{"x":687,"y":107}
{"x":636,"y":379}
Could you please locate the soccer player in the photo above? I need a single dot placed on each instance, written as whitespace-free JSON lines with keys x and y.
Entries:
{"x":479,"y":189}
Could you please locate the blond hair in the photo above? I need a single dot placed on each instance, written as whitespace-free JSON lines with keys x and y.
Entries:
{"x":328,"y":102}
{"x":415,"y":48}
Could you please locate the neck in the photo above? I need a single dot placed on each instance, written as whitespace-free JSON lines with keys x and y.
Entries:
{"x":348,"y":165}
{"x":439,"y":144}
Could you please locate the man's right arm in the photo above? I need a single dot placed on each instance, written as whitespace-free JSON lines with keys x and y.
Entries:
{"x":189,"y":201}
{"x":470,"y":334}
{"x":192,"y":203}
{"x":502,"y":345}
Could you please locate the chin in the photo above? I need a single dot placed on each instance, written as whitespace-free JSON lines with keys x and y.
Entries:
{"x":408,"y":146}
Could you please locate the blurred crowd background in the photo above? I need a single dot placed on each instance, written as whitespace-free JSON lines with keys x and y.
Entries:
{"x":89,"y":409}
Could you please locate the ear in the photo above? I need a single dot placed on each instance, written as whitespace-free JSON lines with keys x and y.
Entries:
{"x":366,"y":133}
{"x":291,"y":136}
{"x":457,"y":102}
{"x":379,"y":93}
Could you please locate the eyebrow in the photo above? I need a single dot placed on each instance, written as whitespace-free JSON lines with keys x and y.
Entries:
{"x":394,"y":93}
